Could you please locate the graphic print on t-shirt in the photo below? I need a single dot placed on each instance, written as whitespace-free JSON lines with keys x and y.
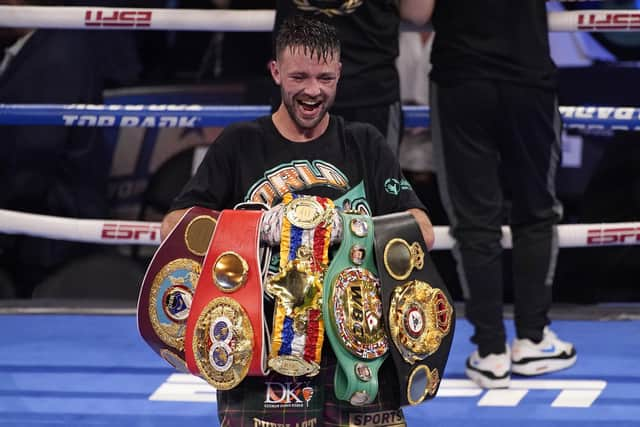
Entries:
{"x":296,"y":176}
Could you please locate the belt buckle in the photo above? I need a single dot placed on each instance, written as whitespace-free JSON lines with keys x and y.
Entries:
{"x":223,"y":343}
{"x":419,"y":318}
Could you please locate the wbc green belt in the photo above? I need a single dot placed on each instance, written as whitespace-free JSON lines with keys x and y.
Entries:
{"x":352,"y":309}
{"x":417,"y":307}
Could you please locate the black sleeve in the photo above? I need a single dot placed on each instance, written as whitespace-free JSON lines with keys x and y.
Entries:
{"x":386,"y":185}
{"x":211,"y":186}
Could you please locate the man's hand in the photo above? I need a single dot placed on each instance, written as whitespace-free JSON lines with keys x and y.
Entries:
{"x":169,"y":222}
{"x":425,"y":226}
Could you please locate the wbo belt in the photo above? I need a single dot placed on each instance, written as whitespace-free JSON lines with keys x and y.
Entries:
{"x":416,"y":304}
{"x":352,"y":309}
{"x":225,"y":332}
{"x":169,"y":284}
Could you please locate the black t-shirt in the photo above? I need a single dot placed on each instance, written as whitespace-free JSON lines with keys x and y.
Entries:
{"x":251,"y":162}
{"x":368,"y":32}
{"x":493,"y":39}
{"x":351,"y":164}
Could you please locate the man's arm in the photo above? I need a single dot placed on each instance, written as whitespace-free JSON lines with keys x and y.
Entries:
{"x":416,"y":11}
{"x":169,"y":222}
{"x":425,"y":226}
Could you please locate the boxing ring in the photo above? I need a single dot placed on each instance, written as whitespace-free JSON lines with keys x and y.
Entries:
{"x":94,"y":369}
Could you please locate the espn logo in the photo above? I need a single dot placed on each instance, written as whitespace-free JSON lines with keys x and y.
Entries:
{"x":608,"y":236}
{"x":609,"y":21}
{"x":117,"y":18}
{"x":116,"y":231}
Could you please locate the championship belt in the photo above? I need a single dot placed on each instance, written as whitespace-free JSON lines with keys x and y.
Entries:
{"x":417,"y":306}
{"x":298,"y":328}
{"x":224,"y":336}
{"x":170,"y":282}
{"x":352,"y":308}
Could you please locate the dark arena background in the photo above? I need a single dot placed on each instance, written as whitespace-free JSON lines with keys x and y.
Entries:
{"x":162,"y":90}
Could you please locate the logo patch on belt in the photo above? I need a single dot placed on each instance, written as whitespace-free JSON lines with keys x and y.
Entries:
{"x":170,"y":299}
{"x":306,"y":212}
{"x":198,"y":234}
{"x":223,"y":343}
{"x":419,"y":318}
{"x":357,"y":313}
{"x":400,"y":258}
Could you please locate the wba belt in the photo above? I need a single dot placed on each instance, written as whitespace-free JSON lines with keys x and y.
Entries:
{"x":352,"y":309}
{"x":417,"y":306}
{"x":169,"y":284}
{"x":224,"y":336}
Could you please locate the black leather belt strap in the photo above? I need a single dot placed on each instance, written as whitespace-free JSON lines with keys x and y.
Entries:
{"x":417,"y":307}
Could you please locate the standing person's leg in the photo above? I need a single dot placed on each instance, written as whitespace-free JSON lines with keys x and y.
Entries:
{"x":466,"y":158}
{"x":531,"y":148}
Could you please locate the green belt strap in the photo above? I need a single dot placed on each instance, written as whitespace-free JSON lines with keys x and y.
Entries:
{"x":352,"y":311}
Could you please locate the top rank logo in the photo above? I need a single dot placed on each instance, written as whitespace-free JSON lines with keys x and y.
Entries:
{"x":609,"y":21}
{"x":113,"y":18}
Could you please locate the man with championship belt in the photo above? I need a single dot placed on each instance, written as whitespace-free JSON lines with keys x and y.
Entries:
{"x":280,"y":161}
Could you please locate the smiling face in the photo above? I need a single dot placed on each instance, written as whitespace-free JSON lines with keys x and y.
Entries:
{"x":308,"y":88}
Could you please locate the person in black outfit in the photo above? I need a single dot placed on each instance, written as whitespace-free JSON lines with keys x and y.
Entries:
{"x":369,"y":89}
{"x":302,"y":149}
{"x":495,"y":127}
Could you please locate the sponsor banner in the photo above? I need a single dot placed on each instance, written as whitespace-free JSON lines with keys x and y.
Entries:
{"x":613,"y":118}
{"x":609,"y":20}
{"x":133,"y":232}
{"x":145,"y":121}
{"x":609,"y":236}
{"x":114,"y":18}
{"x":190,"y":116}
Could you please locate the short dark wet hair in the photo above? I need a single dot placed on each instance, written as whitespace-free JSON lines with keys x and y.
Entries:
{"x":314,"y":37}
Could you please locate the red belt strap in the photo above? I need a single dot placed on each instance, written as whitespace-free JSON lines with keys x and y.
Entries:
{"x":224,"y":336}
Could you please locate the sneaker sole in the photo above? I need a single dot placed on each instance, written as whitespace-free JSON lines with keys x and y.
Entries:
{"x":485,"y":382}
{"x":544,"y":366}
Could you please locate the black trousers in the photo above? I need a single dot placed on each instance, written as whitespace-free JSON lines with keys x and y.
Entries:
{"x":496,"y":152}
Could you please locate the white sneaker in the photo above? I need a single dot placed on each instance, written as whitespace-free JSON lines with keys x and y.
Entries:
{"x":549,"y":355}
{"x":492,"y":371}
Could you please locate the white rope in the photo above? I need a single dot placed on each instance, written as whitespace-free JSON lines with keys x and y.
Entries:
{"x":80,"y":230}
{"x":148,"y":233}
{"x":79,"y":17}
{"x":569,"y":235}
{"x":104,"y":18}
{"x":595,"y":20}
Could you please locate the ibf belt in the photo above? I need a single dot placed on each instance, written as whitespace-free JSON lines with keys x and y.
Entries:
{"x":224,"y":337}
{"x":169,"y":284}
{"x":352,"y":308}
{"x":417,"y":306}
{"x":298,"y":328}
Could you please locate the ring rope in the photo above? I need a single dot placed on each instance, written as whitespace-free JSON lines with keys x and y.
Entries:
{"x":109,"y":18}
{"x":148,"y":233}
{"x":80,"y":230}
{"x":189,"y":116}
